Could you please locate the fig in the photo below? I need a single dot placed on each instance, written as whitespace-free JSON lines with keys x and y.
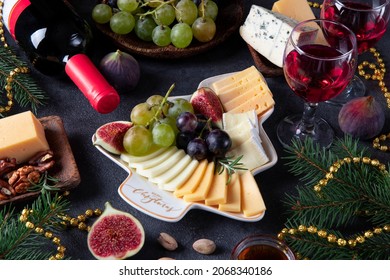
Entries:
{"x":110,"y":136}
{"x":206,"y":102}
{"x":362,"y":117}
{"x":115,"y":235}
{"x":121,"y":70}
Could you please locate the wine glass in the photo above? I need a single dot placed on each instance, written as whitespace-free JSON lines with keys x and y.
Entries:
{"x":368,"y":19}
{"x":320,"y":59}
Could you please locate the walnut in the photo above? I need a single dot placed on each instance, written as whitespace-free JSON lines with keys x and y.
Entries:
{"x":7,"y":165}
{"x":23,"y":178}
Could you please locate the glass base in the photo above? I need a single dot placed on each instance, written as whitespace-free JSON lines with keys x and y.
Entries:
{"x":290,"y":128}
{"x":355,"y":88}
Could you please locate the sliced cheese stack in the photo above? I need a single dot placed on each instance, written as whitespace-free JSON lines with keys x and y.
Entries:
{"x":244,"y":91}
{"x":243,"y":129}
{"x":267,"y":32}
{"x":22,"y":136}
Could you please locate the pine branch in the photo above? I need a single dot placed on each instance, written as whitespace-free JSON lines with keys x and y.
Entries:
{"x":18,"y":242}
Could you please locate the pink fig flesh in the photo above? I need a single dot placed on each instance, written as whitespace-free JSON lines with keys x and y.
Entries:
{"x":110,"y":136}
{"x":362,"y":117}
{"x":206,"y":102}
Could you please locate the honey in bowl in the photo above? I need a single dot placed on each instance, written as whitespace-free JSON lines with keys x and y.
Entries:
{"x":262,"y":247}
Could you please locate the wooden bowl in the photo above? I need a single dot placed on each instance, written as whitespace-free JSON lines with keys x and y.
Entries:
{"x":230,"y":17}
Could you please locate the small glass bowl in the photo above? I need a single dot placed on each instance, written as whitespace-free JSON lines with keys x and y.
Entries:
{"x":261,"y":247}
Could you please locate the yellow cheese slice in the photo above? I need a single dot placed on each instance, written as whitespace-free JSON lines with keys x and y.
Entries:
{"x":233,"y":201}
{"x":296,"y":9}
{"x":21,"y":137}
{"x":259,"y":104}
{"x":232,"y":79}
{"x":192,"y":183}
{"x":252,"y":201}
{"x":218,"y":191}
{"x":203,"y":188}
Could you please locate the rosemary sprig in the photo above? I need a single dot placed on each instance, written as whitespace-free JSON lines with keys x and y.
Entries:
{"x":231,"y":165}
{"x":46,"y":182}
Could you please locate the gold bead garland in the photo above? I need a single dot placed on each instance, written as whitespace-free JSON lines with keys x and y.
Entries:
{"x":332,"y":238}
{"x":348,"y":160}
{"x":13,"y":73}
{"x":376,"y":143}
{"x":78,"y":222}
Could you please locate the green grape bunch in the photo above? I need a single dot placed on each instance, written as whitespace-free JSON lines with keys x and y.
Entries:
{"x":163,"y":22}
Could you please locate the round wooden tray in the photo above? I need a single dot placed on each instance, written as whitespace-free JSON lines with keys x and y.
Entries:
{"x":230,"y":16}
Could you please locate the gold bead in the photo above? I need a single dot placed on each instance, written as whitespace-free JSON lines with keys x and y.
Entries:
{"x":74,"y":222}
{"x":285,"y":230}
{"x":368,"y":234}
{"x":280,"y":236}
{"x":386,"y":228}
{"x":317,"y":188}
{"x":322,"y":233}
{"x":88,"y":228}
{"x":372,"y":66}
{"x":81,"y":218}
{"x":292,"y":231}
{"x":356,"y":159}
{"x":59,"y":256}
{"x":97,"y":212}
{"x":347,"y":160}
{"x":30,"y":225}
{"x":333,"y":169}
{"x":61,"y":249}
{"x":352,"y":243}
{"x":56,"y":240}
{"x":89,"y":212}
{"x":367,"y":76}
{"x":362,"y":72}
{"x":341,"y":242}
{"x":39,"y":230}
{"x":377,"y":230}
{"x":360,"y":239}
{"x":52,"y":258}
{"x":82,"y":226}
{"x":366,"y":160}
{"x":302,"y":228}
{"x":48,"y":234}
{"x":332,"y":238}
{"x":375,"y":162}
{"x":23,"y":218}
{"x":365,"y":63}
{"x":312,"y":229}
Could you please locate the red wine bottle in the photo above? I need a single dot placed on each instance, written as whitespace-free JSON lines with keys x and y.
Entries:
{"x":55,"y":38}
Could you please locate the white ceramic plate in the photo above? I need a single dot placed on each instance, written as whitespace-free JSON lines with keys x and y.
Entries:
{"x":153,"y":201}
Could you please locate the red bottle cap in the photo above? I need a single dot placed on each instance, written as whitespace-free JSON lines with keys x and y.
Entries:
{"x":102,"y":96}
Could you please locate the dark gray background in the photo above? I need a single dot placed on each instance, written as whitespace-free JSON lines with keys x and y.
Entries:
{"x":100,"y":177}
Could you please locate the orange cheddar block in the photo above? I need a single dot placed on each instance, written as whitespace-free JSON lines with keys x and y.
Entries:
{"x":203,"y":188}
{"x":252,"y":201}
{"x":233,"y":201}
{"x":21,"y":137}
{"x":193,"y":182}
{"x":218,"y":191}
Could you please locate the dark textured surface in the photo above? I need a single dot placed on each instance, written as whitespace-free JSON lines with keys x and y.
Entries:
{"x":100,"y":177}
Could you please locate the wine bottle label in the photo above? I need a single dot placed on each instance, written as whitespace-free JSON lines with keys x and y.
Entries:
{"x":12,"y":9}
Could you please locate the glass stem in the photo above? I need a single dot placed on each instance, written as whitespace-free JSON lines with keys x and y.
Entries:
{"x":307,"y":123}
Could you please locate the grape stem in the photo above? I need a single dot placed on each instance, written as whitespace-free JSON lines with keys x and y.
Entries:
{"x":203,"y":9}
{"x":160,"y":108}
{"x":153,"y":11}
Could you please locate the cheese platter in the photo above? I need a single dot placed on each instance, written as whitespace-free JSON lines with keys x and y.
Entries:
{"x":144,"y":192}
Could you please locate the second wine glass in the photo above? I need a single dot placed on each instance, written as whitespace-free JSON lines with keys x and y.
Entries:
{"x":319,"y":61}
{"x":368,"y":19}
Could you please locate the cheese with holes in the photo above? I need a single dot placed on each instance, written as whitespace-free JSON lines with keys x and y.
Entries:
{"x":267,"y":32}
{"x":252,"y":201}
{"x":233,"y":201}
{"x":244,"y":91}
{"x":21,"y":137}
{"x":218,"y":191}
{"x":200,"y":193}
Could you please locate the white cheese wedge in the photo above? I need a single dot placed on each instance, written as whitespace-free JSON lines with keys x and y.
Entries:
{"x":253,"y":153}
{"x":267,"y":32}
{"x":241,"y":120}
{"x":164,"y":166}
{"x":252,"y":201}
{"x":158,"y":159}
{"x":172,"y":172}
{"x":132,"y":159}
{"x":180,"y":179}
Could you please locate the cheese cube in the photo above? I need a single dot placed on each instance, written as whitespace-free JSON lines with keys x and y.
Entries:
{"x":267,"y":32}
{"x":252,"y":201}
{"x":21,"y":137}
{"x":233,"y":201}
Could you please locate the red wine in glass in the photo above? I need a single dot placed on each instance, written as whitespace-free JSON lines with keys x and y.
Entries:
{"x":319,"y":62}
{"x":316,"y":80}
{"x":367,"y":19}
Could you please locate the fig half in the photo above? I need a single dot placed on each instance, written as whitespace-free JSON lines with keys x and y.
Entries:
{"x":110,"y":136}
{"x":206,"y":102}
{"x":115,"y":235}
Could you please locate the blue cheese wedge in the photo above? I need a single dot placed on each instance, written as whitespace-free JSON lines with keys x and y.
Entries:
{"x":267,"y":32}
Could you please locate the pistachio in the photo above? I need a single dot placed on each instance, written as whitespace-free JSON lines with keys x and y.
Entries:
{"x":167,"y":241}
{"x":166,"y":258}
{"x":204,"y":246}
